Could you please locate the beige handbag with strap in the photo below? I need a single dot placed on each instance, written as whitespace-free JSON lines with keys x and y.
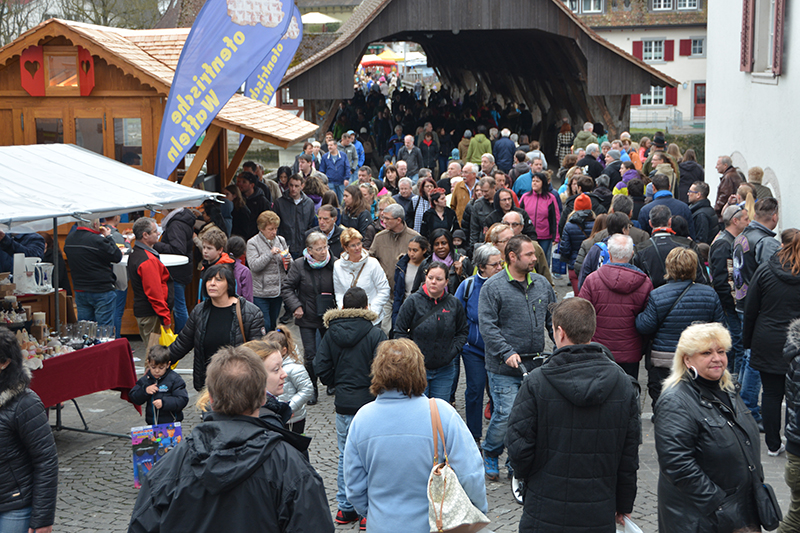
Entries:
{"x":449,"y":507}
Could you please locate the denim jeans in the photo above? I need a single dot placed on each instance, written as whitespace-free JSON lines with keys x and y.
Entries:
{"x":547,"y":246}
{"x":338,"y":188}
{"x":179,"y":311}
{"x":751,"y":382}
{"x":96,"y":306}
{"x":736,"y":354}
{"x":270,"y":308}
{"x":475,"y":371}
{"x":440,"y":381}
{"x":504,"y":390}
{"x":342,"y":428}
{"x":16,"y":521}
{"x":119,"y":310}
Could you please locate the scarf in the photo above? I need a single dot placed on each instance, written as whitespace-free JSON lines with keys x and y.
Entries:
{"x":313,"y":263}
{"x":448,"y":261}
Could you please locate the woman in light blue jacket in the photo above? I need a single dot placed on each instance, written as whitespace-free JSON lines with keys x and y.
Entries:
{"x":389,"y":452}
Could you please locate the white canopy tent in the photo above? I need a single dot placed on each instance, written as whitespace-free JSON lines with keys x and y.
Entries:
{"x":41,"y":182}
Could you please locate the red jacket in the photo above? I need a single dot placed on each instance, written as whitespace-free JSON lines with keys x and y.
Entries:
{"x":618,"y":293}
{"x":151,"y":284}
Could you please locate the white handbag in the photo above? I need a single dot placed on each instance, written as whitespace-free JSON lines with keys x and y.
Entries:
{"x":449,"y":507}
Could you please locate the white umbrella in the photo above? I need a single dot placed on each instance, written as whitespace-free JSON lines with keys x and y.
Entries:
{"x":318,"y":18}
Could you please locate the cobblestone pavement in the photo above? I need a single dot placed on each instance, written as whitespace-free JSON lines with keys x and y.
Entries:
{"x":96,"y":490}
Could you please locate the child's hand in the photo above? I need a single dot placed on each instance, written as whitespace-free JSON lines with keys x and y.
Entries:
{"x":152,"y":389}
{"x":157,"y":404}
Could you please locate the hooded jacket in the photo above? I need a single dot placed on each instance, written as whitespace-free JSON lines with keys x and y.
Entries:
{"x":442,"y":335}
{"x":366,"y":273}
{"x":770,"y":307}
{"x":194,"y":332}
{"x":705,"y":221}
{"x":583,"y":139}
{"x":233,"y":473}
{"x":575,"y":232}
{"x":791,"y":351}
{"x":705,"y":454}
{"x":171,"y":392}
{"x":690,"y":172}
{"x":618,"y":293}
{"x":478,"y":146}
{"x":573,"y":436}
{"x":295,"y":220}
{"x":344,"y":357}
{"x":177,"y":239}
{"x":28,"y":457}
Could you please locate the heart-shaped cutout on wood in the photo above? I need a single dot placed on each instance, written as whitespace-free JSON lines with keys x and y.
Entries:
{"x":32,"y":67}
{"x":85,"y":66}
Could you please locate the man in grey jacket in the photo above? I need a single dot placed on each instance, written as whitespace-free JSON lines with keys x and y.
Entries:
{"x":297,"y":215}
{"x":513,"y":315}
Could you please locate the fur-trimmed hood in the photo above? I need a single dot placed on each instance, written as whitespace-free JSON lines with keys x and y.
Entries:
{"x":793,"y":334}
{"x":335,"y":314}
{"x":18,"y":387}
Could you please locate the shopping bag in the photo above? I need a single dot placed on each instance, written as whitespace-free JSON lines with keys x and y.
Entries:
{"x":151,"y":443}
{"x":167,"y":337}
{"x":629,"y":527}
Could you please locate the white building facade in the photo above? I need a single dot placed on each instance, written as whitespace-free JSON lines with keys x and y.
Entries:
{"x":753,"y":80}
{"x":671,"y":36}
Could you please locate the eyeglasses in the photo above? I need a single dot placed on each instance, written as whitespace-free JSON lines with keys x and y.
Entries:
{"x":496,"y":264}
{"x":692,"y":192}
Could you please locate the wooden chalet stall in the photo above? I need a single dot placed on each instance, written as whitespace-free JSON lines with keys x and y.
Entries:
{"x":105,"y":89}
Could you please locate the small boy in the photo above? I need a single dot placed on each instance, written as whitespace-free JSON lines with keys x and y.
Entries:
{"x":163,"y":390}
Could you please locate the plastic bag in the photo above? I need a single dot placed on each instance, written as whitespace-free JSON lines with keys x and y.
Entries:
{"x":629,"y":527}
{"x":167,"y":337}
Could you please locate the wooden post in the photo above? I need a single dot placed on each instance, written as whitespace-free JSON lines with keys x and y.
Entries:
{"x":237,"y":159}
{"x":201,"y":155}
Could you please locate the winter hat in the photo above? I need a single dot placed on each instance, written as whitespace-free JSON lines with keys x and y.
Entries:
{"x":467,"y":134}
{"x":659,"y":141}
{"x":455,"y":154}
{"x":615,"y":155}
{"x":459,"y":234}
{"x":583,"y":203}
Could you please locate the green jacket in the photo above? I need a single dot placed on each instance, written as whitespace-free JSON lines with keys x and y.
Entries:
{"x":478,"y":146}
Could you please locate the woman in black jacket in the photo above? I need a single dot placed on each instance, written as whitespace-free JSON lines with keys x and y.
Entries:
{"x":28,"y":457}
{"x":444,"y":251}
{"x":706,"y":441}
{"x":241,"y":213}
{"x":308,"y":293}
{"x":214,"y":323}
{"x":356,"y":214}
{"x":769,"y":308}
{"x":436,"y":321}
{"x":439,"y":215}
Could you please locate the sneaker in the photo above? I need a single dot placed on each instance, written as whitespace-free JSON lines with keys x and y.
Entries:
{"x":491,"y":468}
{"x":777,"y":452}
{"x":362,"y":525}
{"x":346,"y":517}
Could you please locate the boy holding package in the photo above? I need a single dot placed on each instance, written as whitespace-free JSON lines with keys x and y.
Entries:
{"x":162,"y":389}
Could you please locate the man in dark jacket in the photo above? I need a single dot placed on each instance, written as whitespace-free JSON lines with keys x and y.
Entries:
{"x":504,"y":203}
{"x":30,"y":244}
{"x":326,"y":216}
{"x":257,"y":201}
{"x":513,"y":317}
{"x":234,"y":472}
{"x":503,"y":151}
{"x":720,"y":262}
{"x":662,"y":196}
{"x":91,"y":252}
{"x":613,"y":165}
{"x":706,"y":225}
{"x":343,"y":361}
{"x":176,"y":239}
{"x":579,"y":400}
{"x":585,"y":186}
{"x":297,"y":215}
{"x":481,"y":209}
{"x":729,"y":183}
{"x":590,"y":163}
{"x":412,"y":156}
{"x":652,"y":254}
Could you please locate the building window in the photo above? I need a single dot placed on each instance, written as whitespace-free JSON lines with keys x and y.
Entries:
{"x":49,"y":131}
{"x":61,"y":71}
{"x":654,"y":97}
{"x":653,"y":50}
{"x":762,"y":36}
{"x":698,"y":47}
{"x":585,"y":6}
{"x":128,"y":141}
{"x":89,"y":134}
{"x":687,"y":4}
{"x":662,"y":5}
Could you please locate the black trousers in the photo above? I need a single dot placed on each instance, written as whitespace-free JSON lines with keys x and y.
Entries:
{"x":308,"y":337}
{"x":774,"y":388}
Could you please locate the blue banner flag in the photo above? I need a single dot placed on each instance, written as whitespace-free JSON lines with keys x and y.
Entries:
{"x":228,"y":37}
{"x":264,"y":81}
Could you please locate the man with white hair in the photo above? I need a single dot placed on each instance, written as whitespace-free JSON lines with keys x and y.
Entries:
{"x":517,"y":223}
{"x":412,"y":157}
{"x":585,"y":137}
{"x":619,"y":291}
{"x":503,"y":150}
{"x":404,"y":197}
{"x":450,"y":177}
{"x":590,"y":162}
{"x":464,"y":190}
{"x":487,"y":165}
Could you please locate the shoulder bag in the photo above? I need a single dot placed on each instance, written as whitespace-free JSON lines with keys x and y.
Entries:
{"x":449,"y":507}
{"x":239,"y":316}
{"x":423,"y":318}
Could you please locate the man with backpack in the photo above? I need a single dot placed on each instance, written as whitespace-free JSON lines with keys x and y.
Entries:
{"x":616,"y":223}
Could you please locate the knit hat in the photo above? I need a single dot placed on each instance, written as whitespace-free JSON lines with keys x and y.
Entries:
{"x":460,"y":234}
{"x":583,"y":203}
{"x":455,"y":154}
{"x":614,"y":154}
{"x":467,"y":134}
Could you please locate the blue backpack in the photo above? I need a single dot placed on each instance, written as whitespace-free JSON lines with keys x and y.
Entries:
{"x":605,"y":257}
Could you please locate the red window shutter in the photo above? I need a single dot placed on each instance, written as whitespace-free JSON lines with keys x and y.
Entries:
{"x":748,"y":33}
{"x":637,"y":49}
{"x":669,"y":50}
{"x":685,"y":47}
{"x":31,"y":70}
{"x":636,"y":99}
{"x":777,"y":43}
{"x":671,"y":96}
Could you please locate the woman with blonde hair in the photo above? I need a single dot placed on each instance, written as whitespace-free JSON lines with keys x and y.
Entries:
{"x":297,"y":389}
{"x":706,"y":441}
{"x":390,"y":444}
{"x":356,"y":268}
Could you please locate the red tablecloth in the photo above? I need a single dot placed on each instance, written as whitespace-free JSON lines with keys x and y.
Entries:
{"x":107,"y":366}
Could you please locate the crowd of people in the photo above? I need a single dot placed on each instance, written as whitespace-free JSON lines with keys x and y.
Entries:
{"x":441,"y":259}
